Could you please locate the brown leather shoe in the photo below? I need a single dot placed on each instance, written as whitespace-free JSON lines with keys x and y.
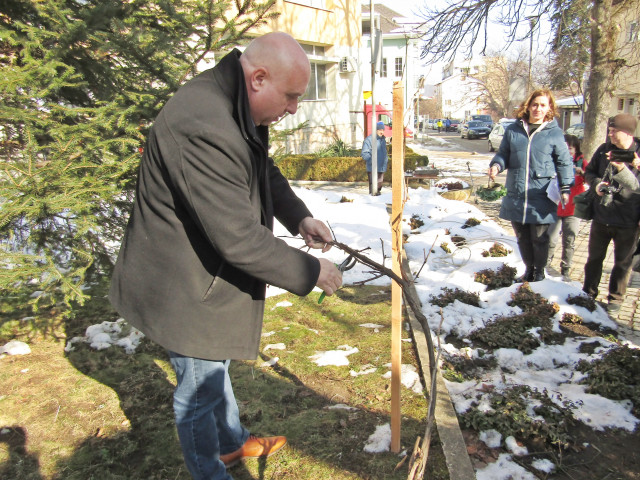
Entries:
{"x":254,"y":447}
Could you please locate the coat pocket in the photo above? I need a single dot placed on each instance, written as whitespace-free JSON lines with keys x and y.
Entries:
{"x":214,"y":283}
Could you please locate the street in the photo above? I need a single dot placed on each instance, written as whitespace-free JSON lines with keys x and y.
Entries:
{"x":454,"y":156}
{"x":479,"y":145}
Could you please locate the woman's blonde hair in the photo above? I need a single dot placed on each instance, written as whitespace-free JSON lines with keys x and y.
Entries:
{"x":523,"y":110}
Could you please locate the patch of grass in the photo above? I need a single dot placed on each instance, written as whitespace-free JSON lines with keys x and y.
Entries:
{"x":514,"y":332}
{"x":510,"y":413}
{"x":457,"y":368}
{"x":105,"y":414}
{"x":616,"y":375}
{"x":525,"y":331}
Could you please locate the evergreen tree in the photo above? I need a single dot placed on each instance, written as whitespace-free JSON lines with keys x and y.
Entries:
{"x":570,"y":45}
{"x":82,"y":81}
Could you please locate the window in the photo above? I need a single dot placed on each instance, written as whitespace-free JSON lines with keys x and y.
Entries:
{"x":620,"y":103}
{"x":312,"y":49}
{"x":386,"y":119}
{"x":383,"y":70}
{"x":398,"y":71}
{"x":317,"y":88}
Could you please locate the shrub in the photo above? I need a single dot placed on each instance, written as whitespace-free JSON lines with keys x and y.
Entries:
{"x":582,"y":301}
{"x":339,"y":169}
{"x":503,"y":277}
{"x":449,"y":295}
{"x":496,"y":250}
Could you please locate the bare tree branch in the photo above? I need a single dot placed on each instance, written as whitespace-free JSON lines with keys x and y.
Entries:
{"x":457,"y":27}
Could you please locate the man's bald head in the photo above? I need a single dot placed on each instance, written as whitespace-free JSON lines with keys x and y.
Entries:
{"x":276,"y":72}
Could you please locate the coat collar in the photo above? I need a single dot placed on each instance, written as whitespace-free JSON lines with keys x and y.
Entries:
{"x":230,"y":76}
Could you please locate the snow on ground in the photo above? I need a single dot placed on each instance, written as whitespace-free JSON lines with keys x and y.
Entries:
{"x":364,"y":223}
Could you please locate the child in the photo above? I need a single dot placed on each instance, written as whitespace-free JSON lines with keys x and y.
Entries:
{"x":567,"y":222}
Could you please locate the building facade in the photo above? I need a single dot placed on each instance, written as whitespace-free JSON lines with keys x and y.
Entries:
{"x":458,"y":95}
{"x":330,"y":33}
{"x":627,"y":92}
{"x":399,"y":59}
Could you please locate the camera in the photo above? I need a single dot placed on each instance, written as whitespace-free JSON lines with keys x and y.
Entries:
{"x":625,"y":156}
{"x":607,"y":198}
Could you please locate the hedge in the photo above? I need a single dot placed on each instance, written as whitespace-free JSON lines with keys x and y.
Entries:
{"x":339,"y":169}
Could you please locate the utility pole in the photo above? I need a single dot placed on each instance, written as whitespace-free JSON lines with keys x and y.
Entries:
{"x":375,"y":53}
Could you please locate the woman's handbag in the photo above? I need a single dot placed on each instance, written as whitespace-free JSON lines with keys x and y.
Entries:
{"x":584,"y":205}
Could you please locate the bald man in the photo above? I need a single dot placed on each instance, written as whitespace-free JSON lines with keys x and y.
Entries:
{"x":199,"y":247}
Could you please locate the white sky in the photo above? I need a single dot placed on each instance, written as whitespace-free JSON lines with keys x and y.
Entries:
{"x":363,"y":223}
{"x":496,"y":38}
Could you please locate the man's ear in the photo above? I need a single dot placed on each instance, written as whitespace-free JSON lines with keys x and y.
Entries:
{"x":258,"y":78}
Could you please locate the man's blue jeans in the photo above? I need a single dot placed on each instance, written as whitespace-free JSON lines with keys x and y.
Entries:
{"x":207,"y":415}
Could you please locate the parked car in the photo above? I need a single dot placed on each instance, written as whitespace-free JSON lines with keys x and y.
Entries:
{"x":455,"y":125}
{"x":485,"y":119}
{"x":495,"y":137}
{"x":474,"y":129}
{"x":576,"y":129}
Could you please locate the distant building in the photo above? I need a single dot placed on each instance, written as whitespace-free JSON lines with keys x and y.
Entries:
{"x":457,"y":94}
{"x":330,"y":33}
{"x":400,"y":56}
{"x":570,"y":111}
{"x":627,"y":92}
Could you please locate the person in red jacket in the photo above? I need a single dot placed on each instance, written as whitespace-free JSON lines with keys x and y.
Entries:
{"x":567,"y":223}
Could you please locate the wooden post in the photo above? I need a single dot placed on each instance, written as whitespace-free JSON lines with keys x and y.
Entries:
{"x":396,"y":254}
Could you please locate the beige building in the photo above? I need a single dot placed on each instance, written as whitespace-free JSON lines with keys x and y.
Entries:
{"x":627,"y":92}
{"x":330,"y":32}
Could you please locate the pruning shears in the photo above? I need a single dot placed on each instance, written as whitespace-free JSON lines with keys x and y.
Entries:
{"x":347,"y":264}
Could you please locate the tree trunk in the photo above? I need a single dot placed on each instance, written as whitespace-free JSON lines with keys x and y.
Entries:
{"x":603,"y":69}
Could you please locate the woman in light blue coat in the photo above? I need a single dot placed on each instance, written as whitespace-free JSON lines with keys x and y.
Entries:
{"x":534,"y":153}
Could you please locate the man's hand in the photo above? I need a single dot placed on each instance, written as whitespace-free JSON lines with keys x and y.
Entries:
{"x":330,"y":277}
{"x":315,"y":234}
{"x":564,"y":198}
{"x":493,"y":171}
{"x":599,"y":188}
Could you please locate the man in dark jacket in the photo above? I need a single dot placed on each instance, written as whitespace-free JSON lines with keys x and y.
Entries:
{"x":199,"y":247}
{"x":616,"y":209}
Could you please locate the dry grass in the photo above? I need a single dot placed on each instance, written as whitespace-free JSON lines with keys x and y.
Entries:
{"x":107,"y":415}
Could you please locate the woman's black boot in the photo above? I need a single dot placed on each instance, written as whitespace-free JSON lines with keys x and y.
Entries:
{"x":538,"y":274}
{"x":527,"y":276}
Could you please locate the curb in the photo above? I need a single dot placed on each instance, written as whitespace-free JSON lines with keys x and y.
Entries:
{"x":453,"y":444}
